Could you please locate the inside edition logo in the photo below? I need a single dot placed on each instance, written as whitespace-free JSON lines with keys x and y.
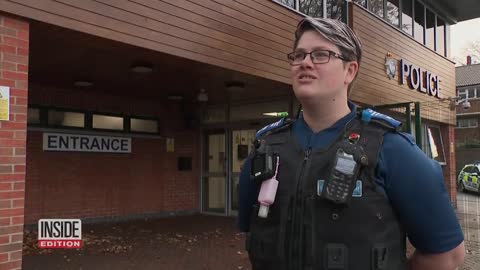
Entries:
{"x":59,"y":233}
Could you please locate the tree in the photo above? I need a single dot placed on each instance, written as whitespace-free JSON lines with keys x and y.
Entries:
{"x":473,"y":49}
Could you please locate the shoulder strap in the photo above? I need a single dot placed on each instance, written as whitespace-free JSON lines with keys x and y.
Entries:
{"x":274,"y":127}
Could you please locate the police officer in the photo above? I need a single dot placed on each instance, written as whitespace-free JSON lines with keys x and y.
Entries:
{"x":349,"y":187}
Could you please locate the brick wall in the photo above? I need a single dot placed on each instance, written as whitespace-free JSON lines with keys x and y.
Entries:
{"x":14,"y":45}
{"x":79,"y":185}
{"x":449,"y":171}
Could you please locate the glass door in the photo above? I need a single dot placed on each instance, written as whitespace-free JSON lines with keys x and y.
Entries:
{"x":240,"y":143}
{"x":214,"y":174}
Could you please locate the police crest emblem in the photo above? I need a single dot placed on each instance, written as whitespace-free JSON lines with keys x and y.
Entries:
{"x":390,"y":66}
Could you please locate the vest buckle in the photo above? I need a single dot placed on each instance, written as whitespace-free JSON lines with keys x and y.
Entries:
{"x":379,"y":257}
{"x":336,"y":256}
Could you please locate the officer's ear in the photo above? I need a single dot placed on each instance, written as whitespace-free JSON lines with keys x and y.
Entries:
{"x":351,"y":69}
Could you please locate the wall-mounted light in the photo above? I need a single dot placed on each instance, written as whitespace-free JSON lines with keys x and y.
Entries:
{"x":141,"y":68}
{"x":82,"y":83}
{"x":202,"y":96}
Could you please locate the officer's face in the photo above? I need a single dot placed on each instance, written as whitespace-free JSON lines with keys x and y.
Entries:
{"x":319,"y":81}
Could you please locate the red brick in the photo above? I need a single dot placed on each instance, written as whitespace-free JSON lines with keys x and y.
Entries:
{"x":15,"y":23}
{"x":4,"y":239}
{"x":14,"y":75}
{"x":18,"y":203}
{"x":6,"y":168}
{"x":6,"y":151}
{"x":6,"y":134}
{"x":16,"y":255}
{"x":12,"y":160}
{"x":5,"y":204}
{"x":3,"y":258}
{"x":21,"y":68}
{"x":5,"y":186}
{"x":22,"y":34}
{"x":19,"y":92}
{"x":22,"y":51}
{"x":11,"y":265}
{"x":10,"y":126}
{"x":19,"y":169}
{"x":21,"y":84}
{"x":19,"y":59}
{"x":17,"y":220}
{"x":10,"y":247}
{"x":12,"y":177}
{"x":4,"y":48}
{"x":20,"y":151}
{"x":15,"y":42}
{"x":8,"y":66}
{"x":16,"y":238}
{"x":12,"y":195}
{"x":4,"y":221}
{"x":9,"y":213}
{"x":21,"y":100}
{"x":10,"y":83}
{"x":8,"y":31}
{"x":21,"y":118}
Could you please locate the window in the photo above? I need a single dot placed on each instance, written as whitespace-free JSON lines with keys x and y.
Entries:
{"x":334,"y":9}
{"x":362,"y":3}
{"x":376,"y":6}
{"x":441,"y":37}
{"x":143,"y":125}
{"x":407,"y":18}
{"x":430,"y":29}
{"x":435,"y":144}
{"x":312,"y":8}
{"x":107,"y":122}
{"x":467,"y":123}
{"x":462,"y":94}
{"x":59,"y":118}
{"x":393,"y":12}
{"x":472,"y":93}
{"x":418,"y":30}
{"x":33,"y":116}
{"x":288,"y":3}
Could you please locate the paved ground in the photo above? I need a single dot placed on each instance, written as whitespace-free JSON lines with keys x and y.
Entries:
{"x":193,"y":243}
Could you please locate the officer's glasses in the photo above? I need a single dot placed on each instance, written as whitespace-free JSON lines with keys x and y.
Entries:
{"x":317,"y":57}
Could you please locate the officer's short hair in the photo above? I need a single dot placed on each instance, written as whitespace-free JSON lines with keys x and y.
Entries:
{"x":337,"y":33}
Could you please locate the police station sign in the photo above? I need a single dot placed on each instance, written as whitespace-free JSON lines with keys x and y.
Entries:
{"x":85,"y":143}
{"x":419,"y":79}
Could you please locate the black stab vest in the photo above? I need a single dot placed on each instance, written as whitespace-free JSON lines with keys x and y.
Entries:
{"x":306,"y":232}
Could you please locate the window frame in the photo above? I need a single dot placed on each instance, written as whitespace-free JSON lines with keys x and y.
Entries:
{"x":88,"y":120}
{"x":427,"y":140}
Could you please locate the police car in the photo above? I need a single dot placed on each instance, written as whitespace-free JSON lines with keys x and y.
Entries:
{"x":468,"y":178}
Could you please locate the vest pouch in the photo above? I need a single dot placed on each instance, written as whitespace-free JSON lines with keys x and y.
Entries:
{"x":265,"y":241}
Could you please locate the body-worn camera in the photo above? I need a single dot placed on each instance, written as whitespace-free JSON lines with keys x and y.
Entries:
{"x":263,"y":162}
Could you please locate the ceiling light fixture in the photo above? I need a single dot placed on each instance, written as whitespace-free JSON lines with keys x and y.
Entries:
{"x":175,"y":97}
{"x":81,"y":83}
{"x":235,"y":86}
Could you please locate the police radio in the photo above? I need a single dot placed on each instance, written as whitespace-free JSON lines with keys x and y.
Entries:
{"x":263,"y":162}
{"x":341,"y":182}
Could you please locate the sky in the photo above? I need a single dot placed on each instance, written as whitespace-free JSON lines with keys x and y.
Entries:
{"x":461,"y":34}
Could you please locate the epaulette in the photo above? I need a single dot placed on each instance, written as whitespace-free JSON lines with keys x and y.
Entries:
{"x":280,"y":124}
{"x":369,"y":115}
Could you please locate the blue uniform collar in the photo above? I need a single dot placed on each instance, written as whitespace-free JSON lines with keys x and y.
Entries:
{"x":306,"y":138}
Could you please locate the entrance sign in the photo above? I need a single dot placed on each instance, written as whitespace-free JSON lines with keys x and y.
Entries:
{"x":85,"y":143}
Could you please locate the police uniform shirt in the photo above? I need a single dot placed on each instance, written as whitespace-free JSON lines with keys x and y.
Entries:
{"x":412,"y":181}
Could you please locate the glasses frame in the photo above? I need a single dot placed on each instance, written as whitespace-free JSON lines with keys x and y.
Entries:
{"x":330,"y":54}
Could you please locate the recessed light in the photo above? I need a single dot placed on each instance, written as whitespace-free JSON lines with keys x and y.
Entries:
{"x":175,"y":97}
{"x":82,"y":83}
{"x":142,"y":68}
